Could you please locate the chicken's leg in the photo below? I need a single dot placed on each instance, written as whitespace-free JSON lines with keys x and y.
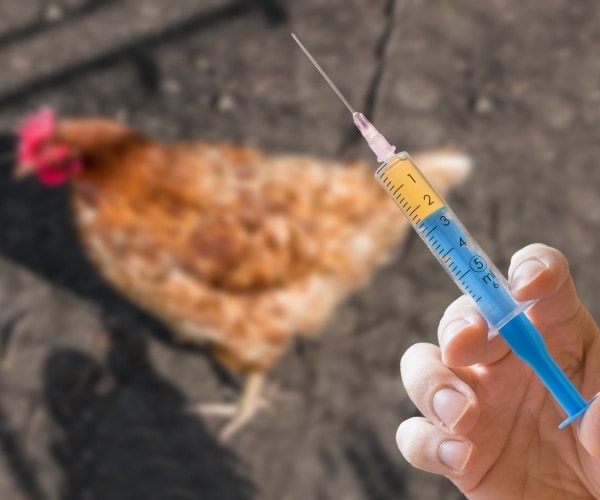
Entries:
{"x":248,"y":404}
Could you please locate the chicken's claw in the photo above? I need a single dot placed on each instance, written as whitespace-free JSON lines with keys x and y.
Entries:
{"x":239,"y":413}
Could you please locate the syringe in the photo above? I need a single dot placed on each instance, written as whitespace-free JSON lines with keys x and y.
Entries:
{"x":462,"y":258}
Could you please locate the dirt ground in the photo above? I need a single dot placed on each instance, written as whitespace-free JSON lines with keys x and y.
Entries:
{"x":515,"y":83}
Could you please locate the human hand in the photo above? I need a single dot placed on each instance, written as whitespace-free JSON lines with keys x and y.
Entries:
{"x":489,"y":424}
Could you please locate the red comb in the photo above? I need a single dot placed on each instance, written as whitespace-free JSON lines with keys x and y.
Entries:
{"x":33,"y":132}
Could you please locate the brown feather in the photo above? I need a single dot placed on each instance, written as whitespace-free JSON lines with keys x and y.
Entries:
{"x":228,"y":244}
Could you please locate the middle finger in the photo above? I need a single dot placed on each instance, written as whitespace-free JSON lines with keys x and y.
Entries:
{"x":440,"y":393}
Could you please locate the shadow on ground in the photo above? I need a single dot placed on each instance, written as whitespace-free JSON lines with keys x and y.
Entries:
{"x":137,"y":442}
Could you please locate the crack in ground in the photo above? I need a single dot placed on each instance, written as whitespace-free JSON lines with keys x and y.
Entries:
{"x":380,"y":53}
{"x":353,"y":136}
{"x":19,"y":465}
{"x":274,"y":10}
{"x":13,"y":311}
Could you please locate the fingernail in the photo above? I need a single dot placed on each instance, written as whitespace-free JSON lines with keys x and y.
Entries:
{"x":526,"y":272}
{"x":455,"y":454}
{"x":449,"y":405}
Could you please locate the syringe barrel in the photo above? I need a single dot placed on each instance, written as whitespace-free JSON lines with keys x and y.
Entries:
{"x":458,"y":253}
{"x":475,"y":274}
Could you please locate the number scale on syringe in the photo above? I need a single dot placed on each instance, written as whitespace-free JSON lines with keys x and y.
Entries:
{"x":448,"y":240}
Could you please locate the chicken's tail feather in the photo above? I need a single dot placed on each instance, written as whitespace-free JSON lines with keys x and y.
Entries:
{"x":445,"y":168}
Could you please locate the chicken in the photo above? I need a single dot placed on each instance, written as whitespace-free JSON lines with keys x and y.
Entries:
{"x":225,"y":244}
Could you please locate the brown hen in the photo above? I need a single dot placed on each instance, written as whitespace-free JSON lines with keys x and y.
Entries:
{"x":225,"y":244}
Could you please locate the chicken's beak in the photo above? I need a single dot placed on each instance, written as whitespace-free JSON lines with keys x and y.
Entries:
{"x":23,"y":170}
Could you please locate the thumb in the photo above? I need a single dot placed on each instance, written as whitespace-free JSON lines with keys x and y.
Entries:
{"x":589,"y":428}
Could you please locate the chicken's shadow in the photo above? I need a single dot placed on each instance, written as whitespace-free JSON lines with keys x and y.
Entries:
{"x":136,"y":442}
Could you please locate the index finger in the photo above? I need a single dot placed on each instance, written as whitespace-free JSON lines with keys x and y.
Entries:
{"x":542,"y":272}
{"x":463,"y":336}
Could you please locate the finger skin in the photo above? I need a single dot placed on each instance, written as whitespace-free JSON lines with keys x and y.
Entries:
{"x":424,"y":374}
{"x":420,"y":441}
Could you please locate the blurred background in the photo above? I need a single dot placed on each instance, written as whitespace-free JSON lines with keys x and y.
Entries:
{"x":514,"y":83}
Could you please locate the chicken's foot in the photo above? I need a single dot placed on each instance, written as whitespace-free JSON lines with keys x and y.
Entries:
{"x":239,"y":413}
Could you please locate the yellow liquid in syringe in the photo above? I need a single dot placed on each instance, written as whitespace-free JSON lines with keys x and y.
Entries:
{"x":408,"y":188}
